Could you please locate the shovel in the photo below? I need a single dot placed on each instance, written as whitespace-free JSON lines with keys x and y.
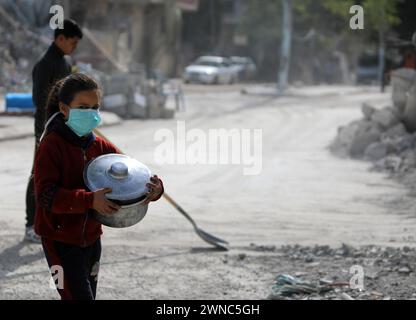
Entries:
{"x":209,"y":238}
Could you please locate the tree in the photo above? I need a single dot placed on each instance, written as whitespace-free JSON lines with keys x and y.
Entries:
{"x":285,"y":46}
{"x":261,"y":24}
{"x":380,"y":16}
{"x":320,"y":35}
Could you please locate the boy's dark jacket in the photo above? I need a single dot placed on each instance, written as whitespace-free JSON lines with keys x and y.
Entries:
{"x":50,"y":68}
{"x":63,"y":202}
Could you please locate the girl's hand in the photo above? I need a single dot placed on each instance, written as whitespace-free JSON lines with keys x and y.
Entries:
{"x":155,"y":189}
{"x":102,"y":205}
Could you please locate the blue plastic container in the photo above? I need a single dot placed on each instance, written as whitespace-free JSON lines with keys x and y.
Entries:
{"x":18,"y":102}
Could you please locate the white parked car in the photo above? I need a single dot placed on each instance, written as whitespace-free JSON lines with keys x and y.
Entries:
{"x":211,"y":70}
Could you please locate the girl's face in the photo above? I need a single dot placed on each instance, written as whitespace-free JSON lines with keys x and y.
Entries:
{"x":82,"y":100}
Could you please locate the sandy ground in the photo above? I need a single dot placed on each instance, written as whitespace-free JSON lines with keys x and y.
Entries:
{"x":304,"y":195}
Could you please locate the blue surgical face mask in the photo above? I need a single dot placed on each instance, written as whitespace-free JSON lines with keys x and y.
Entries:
{"x":83,"y":121}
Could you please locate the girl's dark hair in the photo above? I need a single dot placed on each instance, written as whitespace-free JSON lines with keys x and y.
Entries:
{"x":65,"y":90}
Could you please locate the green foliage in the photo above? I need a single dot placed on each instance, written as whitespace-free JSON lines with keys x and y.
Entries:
{"x":377,"y":13}
{"x":320,"y":28}
{"x":262,"y":19}
{"x":381,"y":13}
{"x":340,"y":8}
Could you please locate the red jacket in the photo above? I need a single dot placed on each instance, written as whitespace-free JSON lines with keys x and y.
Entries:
{"x":62,"y":199}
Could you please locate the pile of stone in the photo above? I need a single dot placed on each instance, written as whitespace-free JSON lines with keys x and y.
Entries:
{"x":20,"y":47}
{"x":388,"y":273}
{"x":17,"y":56}
{"x":386,"y":136}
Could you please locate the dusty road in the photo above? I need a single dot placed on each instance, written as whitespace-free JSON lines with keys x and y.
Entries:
{"x":303,"y":195}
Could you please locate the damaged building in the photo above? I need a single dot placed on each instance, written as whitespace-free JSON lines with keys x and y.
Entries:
{"x":126,"y":43}
{"x":133,"y":32}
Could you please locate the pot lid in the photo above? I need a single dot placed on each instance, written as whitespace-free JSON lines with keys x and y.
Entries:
{"x":126,"y":176}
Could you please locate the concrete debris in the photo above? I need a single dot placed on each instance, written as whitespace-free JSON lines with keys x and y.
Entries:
{"x":128,"y":93}
{"x":385,"y":118}
{"x":378,"y":150}
{"x":352,"y":140}
{"x":385,"y":269}
{"x":346,"y":296}
{"x":18,"y":54}
{"x":404,"y":270}
{"x":390,"y":163}
{"x":396,"y":131}
{"x":367,"y":111}
{"x":263,"y":248}
{"x":385,"y":136}
{"x":242,"y":256}
{"x":366,"y":134}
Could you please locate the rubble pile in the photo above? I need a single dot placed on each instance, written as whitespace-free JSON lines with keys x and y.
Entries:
{"x":385,"y":136}
{"x":324,"y":273}
{"x":130,"y":93}
{"x":18,"y":53}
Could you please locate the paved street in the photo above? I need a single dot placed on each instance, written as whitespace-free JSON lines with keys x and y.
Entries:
{"x":303,"y":195}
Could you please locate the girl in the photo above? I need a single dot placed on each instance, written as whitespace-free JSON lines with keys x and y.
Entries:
{"x":70,"y":237}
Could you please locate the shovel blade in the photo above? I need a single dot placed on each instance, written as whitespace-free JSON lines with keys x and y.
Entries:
{"x":217,"y":242}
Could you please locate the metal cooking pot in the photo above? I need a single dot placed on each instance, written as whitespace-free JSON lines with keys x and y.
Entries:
{"x":127,"y":178}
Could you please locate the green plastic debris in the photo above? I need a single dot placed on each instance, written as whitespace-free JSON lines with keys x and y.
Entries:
{"x":287,"y":285}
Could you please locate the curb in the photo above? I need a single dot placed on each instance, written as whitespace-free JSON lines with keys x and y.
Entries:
{"x":109,"y":119}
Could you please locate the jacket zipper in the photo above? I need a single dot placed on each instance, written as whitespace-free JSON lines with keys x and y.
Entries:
{"x":84,"y":155}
